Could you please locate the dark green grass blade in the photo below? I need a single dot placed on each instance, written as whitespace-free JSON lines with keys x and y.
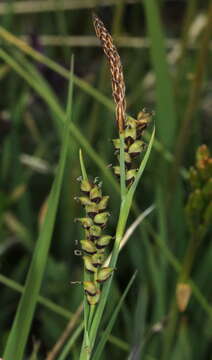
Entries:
{"x":139,"y":324}
{"x":124,"y":212}
{"x":141,"y":168}
{"x":165,"y":112}
{"x":86,"y":275}
{"x":25,"y":48}
{"x":48,"y":304}
{"x":166,"y":121}
{"x":59,"y":113}
{"x":71,"y":342}
{"x":82,"y":165}
{"x":106,"y":333}
{"x":21,"y":326}
{"x":122,"y":167}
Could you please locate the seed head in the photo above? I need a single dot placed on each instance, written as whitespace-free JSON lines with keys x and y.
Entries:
{"x":118,"y":84}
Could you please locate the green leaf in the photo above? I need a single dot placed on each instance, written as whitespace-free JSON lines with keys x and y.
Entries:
{"x":109,"y":327}
{"x":86,"y":341}
{"x":165,"y":111}
{"x":123,"y":216}
{"x":71,"y":342}
{"x":122,"y":167}
{"x":55,"y":107}
{"x":142,"y":166}
{"x":82,"y":165}
{"x":48,"y":304}
{"x":24,"y":315}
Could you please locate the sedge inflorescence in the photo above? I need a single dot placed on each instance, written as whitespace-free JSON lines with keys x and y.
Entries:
{"x":199,"y":205}
{"x":115,"y":65}
{"x":131,"y":128}
{"x":94,"y":245}
{"x":133,"y":144}
{"x":95,"y":242}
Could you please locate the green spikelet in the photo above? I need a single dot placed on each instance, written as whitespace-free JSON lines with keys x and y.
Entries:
{"x":88,"y":246}
{"x":95,"y":194}
{"x":94,"y":232}
{"x":84,"y":200}
{"x":90,"y":288}
{"x":101,"y":219}
{"x":85,"y":186}
{"x":88,"y":264}
{"x":97,"y":259}
{"x":136,"y":148}
{"x":103,"y":241}
{"x":92,"y":209}
{"x":86,"y":222}
{"x":94,"y":243}
{"x":104,"y":274}
{"x":102,"y":205}
{"x":93,"y":299}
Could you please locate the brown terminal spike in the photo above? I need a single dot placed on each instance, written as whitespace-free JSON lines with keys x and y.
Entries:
{"x":118,"y":84}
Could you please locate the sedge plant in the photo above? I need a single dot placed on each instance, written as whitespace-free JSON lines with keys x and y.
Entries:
{"x":94,"y":246}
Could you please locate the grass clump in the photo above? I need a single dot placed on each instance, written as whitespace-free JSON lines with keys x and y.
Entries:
{"x":127,"y":147}
{"x":165,"y":49}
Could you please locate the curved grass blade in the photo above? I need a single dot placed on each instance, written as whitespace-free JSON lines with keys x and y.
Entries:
{"x":141,"y":168}
{"x":48,"y":304}
{"x":86,"y":342}
{"x":106,"y":333}
{"x":82,"y":165}
{"x":166,"y":111}
{"x":36,"y":55}
{"x":71,"y":342}
{"x":124,"y":212}
{"x":24,"y":315}
{"x":60,"y":116}
{"x":51,"y":64}
{"x":166,"y":117}
{"x":122,"y":167}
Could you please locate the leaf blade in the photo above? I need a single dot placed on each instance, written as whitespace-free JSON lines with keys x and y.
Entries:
{"x":24,"y":315}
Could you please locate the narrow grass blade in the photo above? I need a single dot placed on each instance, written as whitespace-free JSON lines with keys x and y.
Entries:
{"x":59,"y":114}
{"x":25,"y":48}
{"x":51,"y":64}
{"x":71,"y":342}
{"x":123,"y":216}
{"x":21,"y":326}
{"x":86,"y":276}
{"x":139,"y":324}
{"x":122,"y":167}
{"x":106,"y":333}
{"x":48,"y":304}
{"x":141,"y":168}
{"x":82,"y":165}
{"x":165,"y":112}
{"x":166,"y":118}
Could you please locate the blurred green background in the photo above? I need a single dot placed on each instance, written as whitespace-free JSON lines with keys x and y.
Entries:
{"x":165,"y":48}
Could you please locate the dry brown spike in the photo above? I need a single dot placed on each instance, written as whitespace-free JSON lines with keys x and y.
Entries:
{"x":118,"y":84}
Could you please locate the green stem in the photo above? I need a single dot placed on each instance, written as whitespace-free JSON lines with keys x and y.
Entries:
{"x":124,"y":212}
{"x":122,"y":167}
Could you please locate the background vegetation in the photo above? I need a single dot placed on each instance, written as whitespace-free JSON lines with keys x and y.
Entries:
{"x":166,"y":53}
